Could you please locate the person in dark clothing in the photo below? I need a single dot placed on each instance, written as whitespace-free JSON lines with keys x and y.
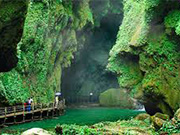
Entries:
{"x":29,"y":105}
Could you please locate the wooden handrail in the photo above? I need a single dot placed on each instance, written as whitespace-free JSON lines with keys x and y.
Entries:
{"x":22,"y":108}
{"x":11,"y":112}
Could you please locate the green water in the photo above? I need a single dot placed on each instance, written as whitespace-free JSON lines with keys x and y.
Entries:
{"x":86,"y":116}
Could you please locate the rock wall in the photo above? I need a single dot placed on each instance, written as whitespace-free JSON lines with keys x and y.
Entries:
{"x":53,"y":31}
{"x":146,"y":54}
{"x":51,"y":36}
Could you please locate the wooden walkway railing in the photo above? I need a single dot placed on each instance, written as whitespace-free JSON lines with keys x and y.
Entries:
{"x":21,"y":110}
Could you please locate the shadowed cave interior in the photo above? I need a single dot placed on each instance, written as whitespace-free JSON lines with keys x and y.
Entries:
{"x":88,"y":73}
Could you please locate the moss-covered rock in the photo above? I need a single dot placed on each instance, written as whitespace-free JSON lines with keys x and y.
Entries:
{"x":149,"y":37}
{"x":162,"y":116}
{"x":177,"y":115}
{"x":116,"y":97}
{"x":49,"y":41}
{"x":157,"y":122}
{"x":143,"y":116}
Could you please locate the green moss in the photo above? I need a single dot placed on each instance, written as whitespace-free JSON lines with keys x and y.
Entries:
{"x":162,"y":78}
{"x":127,"y":70}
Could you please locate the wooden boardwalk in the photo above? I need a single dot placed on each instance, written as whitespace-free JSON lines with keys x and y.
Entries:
{"x":20,"y":113}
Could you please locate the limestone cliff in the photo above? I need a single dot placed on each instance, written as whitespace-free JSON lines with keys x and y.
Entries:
{"x":52,"y":33}
{"x":146,"y":54}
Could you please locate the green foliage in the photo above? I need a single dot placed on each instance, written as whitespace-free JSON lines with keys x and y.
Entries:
{"x":13,"y":87}
{"x":119,"y":127}
{"x":170,"y":128}
{"x":160,"y":67}
{"x":75,"y":129}
{"x":84,"y":13}
{"x":173,"y":21}
{"x":163,"y":51}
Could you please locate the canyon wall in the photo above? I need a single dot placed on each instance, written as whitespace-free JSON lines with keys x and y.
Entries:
{"x":146,"y":54}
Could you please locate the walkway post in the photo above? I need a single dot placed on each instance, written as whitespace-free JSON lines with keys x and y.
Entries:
{"x":32,"y":112}
{"x":14,"y":114}
{"x":47,"y":110}
{"x":5,"y":112}
{"x":53,"y":110}
{"x":60,"y":107}
{"x":41,"y":112}
{"x":24,"y":113}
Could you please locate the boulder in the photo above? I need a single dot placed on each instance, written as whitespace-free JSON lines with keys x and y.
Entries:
{"x":116,"y":97}
{"x":142,"y":116}
{"x":159,"y":119}
{"x":173,"y":121}
{"x":177,"y":115}
{"x":162,"y":116}
{"x":157,"y":122}
{"x":36,"y":131}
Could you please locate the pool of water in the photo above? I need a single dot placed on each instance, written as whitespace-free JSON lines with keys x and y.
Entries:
{"x":80,"y":116}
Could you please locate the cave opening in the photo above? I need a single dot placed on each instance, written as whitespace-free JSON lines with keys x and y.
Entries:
{"x":11,"y":30}
{"x":87,"y":76}
{"x":8,"y":59}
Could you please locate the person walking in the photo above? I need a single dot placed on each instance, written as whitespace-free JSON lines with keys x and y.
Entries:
{"x":25,"y":105}
{"x":56,"y":101}
{"x":30,"y":101}
{"x":28,"y":105}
